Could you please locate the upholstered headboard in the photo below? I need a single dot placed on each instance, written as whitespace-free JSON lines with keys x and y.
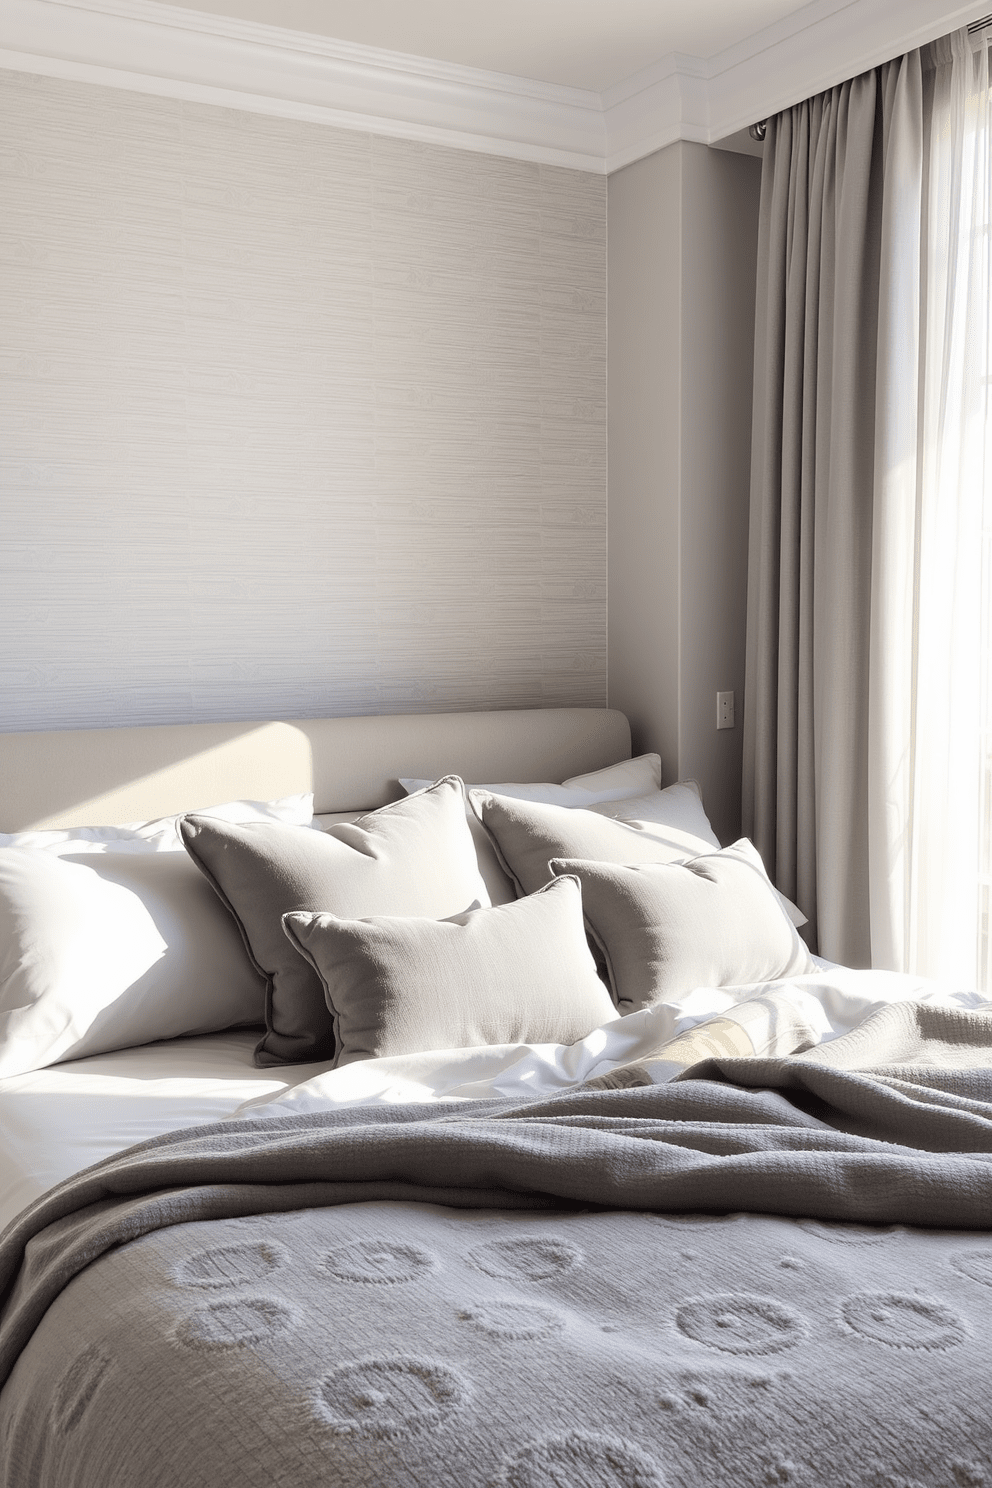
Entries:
{"x":108,"y":776}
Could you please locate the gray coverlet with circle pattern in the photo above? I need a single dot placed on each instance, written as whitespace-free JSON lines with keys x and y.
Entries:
{"x":772,"y":1272}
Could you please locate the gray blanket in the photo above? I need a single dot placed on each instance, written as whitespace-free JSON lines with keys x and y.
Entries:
{"x":605,"y":1290}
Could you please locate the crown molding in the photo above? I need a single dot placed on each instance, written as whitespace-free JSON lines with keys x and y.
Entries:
{"x":177,"y":53}
{"x":712,"y":100}
{"x":818,"y":47}
{"x":162,"y":49}
{"x":664,"y":103}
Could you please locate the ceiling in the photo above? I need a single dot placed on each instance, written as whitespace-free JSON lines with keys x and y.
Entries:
{"x":583,"y":84}
{"x":590,"y":44}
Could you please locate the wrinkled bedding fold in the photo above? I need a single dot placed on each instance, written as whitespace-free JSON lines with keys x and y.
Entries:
{"x":833,"y":1133}
{"x":603,"y":1288}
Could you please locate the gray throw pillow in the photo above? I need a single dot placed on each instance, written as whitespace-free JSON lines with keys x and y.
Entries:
{"x":528,"y":834}
{"x":517,"y":973}
{"x":664,"y":928}
{"x":415,"y":857}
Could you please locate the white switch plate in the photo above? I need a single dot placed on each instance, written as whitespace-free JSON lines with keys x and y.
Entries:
{"x":724,"y":710}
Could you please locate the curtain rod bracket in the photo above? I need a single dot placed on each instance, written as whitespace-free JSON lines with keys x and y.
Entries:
{"x":758,"y":131}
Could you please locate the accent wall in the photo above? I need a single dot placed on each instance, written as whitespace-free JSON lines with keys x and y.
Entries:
{"x":293,"y":420}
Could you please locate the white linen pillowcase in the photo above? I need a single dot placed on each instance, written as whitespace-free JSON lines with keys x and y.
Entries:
{"x":676,"y":816}
{"x":108,"y":950}
{"x":160,"y":834}
{"x":117,"y":952}
{"x":629,"y":778}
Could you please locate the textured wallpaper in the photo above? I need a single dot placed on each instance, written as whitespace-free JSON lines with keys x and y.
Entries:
{"x":293,"y":420}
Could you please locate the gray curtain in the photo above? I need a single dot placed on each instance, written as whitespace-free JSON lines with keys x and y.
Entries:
{"x":821,"y":283}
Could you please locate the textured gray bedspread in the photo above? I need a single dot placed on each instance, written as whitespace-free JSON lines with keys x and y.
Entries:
{"x":558,"y":1295}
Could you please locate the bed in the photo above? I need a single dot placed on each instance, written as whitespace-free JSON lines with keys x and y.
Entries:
{"x":467,"y":1139}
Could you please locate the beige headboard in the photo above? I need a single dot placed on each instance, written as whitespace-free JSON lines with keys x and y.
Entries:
{"x":108,"y":776}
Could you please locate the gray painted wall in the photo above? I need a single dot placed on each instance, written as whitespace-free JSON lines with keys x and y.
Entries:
{"x":644,"y":319}
{"x":682,"y":246}
{"x":293,"y":420}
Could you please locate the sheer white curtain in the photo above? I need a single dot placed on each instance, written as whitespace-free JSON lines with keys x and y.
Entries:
{"x":930,"y":691}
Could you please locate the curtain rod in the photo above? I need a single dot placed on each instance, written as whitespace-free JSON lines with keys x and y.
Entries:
{"x":760,"y":129}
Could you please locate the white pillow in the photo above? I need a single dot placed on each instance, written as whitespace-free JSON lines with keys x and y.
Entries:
{"x":630,"y":778}
{"x":676,"y":817}
{"x":160,"y":835}
{"x":104,"y":950}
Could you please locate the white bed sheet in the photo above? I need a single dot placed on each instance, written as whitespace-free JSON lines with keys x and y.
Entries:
{"x":832,"y":1000}
{"x":57,"y":1121}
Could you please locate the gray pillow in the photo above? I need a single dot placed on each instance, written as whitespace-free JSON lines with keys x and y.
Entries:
{"x":517,"y":973}
{"x":528,"y":834}
{"x":415,"y":857}
{"x":664,"y":928}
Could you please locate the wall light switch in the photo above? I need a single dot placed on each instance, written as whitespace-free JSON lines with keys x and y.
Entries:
{"x":724,"y":710}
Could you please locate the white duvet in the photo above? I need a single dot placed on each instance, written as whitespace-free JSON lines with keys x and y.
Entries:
{"x":56,"y":1121}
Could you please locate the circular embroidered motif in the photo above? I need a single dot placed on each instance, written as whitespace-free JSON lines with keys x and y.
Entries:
{"x":741,"y":1323}
{"x":234,"y":1324}
{"x":900,"y":1320}
{"x":525,"y":1260}
{"x":387,"y":1397}
{"x":580,"y":1459}
{"x":381,"y":1261}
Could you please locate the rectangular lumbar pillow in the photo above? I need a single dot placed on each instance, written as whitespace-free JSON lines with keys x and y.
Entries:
{"x":415,"y":857}
{"x":665,"y":928}
{"x":516,"y":973}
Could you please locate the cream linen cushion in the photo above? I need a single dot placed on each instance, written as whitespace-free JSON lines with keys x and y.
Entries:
{"x":665,"y":928}
{"x":414,"y":857}
{"x":528,"y":834}
{"x":517,"y":973}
